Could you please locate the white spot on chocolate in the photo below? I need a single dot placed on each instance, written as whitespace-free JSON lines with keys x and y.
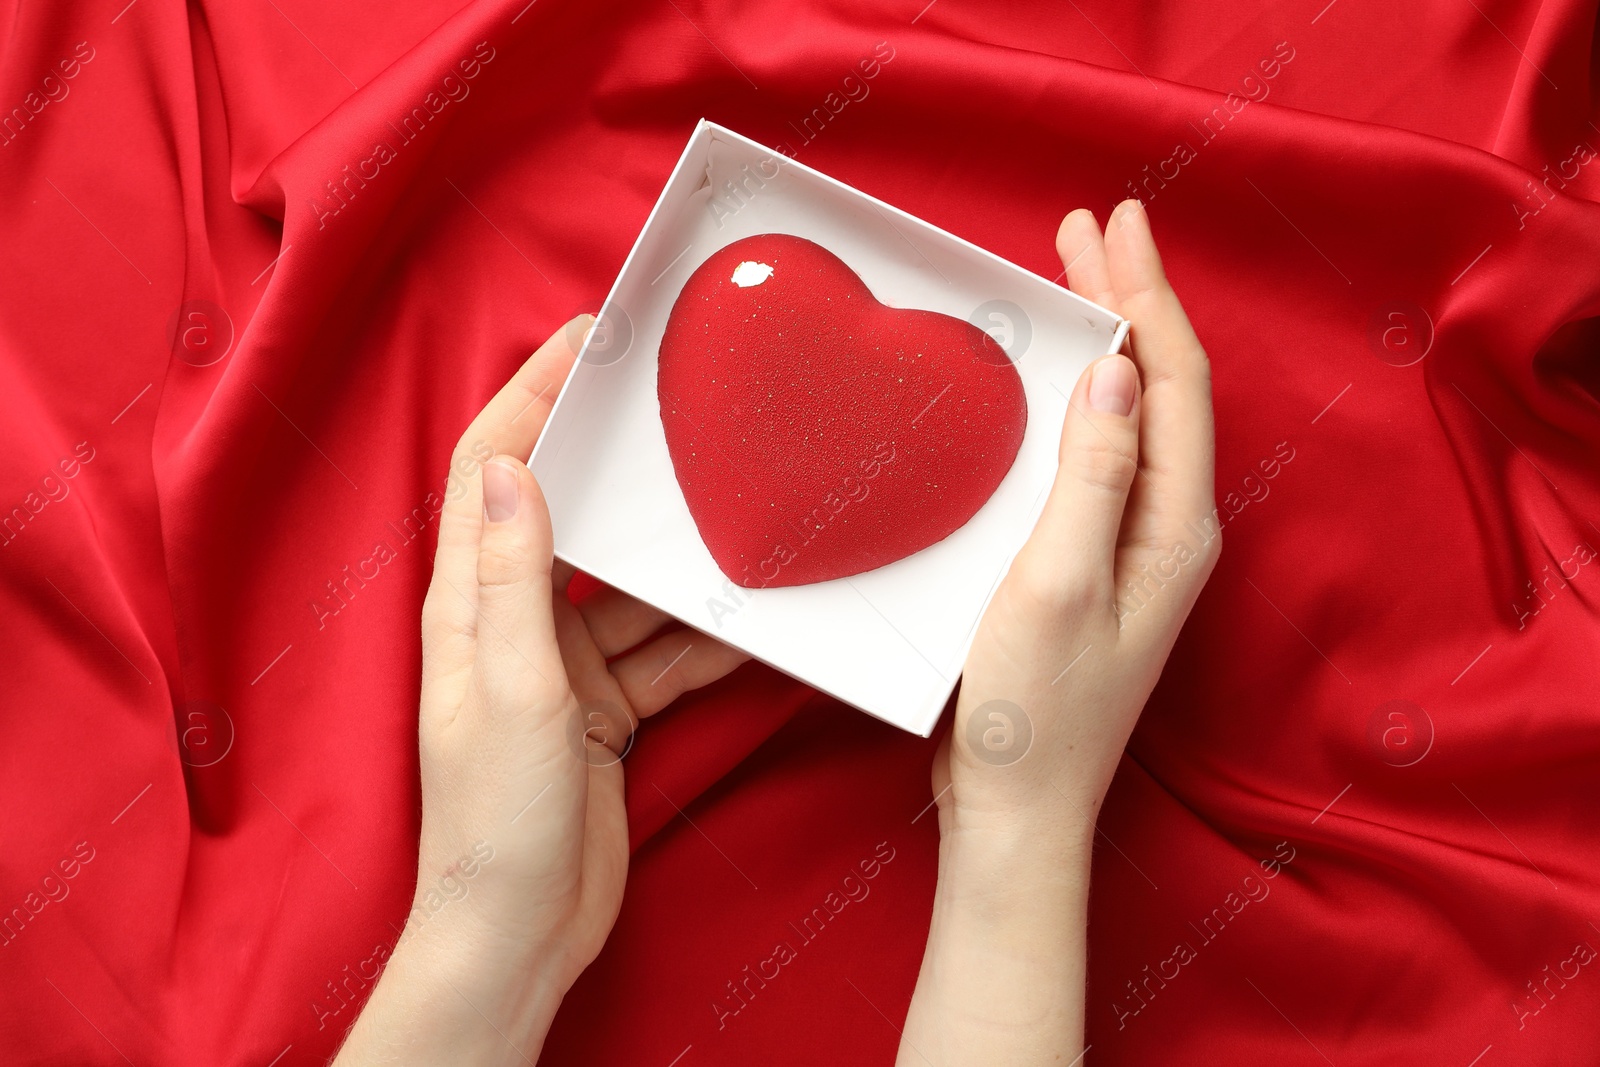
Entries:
{"x":750,"y":273}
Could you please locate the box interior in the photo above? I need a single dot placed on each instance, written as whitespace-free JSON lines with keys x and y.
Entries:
{"x":890,"y":641}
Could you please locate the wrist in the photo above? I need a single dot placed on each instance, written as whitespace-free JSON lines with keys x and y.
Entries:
{"x":1018,"y":825}
{"x":491,"y":964}
{"x":456,"y":991}
{"x":1005,"y":948}
{"x":1012,"y":873}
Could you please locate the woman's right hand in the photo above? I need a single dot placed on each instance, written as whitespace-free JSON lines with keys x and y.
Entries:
{"x":1063,"y":661}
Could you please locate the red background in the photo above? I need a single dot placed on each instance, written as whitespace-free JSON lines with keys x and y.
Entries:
{"x":1387,"y":560}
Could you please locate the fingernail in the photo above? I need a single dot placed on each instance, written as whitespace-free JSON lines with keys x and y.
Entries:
{"x":499,"y":491}
{"x":1112,"y":382}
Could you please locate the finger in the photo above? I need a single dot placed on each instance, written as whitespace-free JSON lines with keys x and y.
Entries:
{"x":1178,"y":442}
{"x":604,"y":723}
{"x":669,"y":666}
{"x":517,"y":657}
{"x":510,"y":424}
{"x":1071,"y":553}
{"x":1083,"y":254}
{"x":617,"y":621}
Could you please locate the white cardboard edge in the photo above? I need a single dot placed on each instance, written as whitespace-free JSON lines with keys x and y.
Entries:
{"x":978,"y":250}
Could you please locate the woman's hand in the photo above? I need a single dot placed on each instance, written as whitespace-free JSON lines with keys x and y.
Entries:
{"x":1078,"y":632}
{"x":524,"y":715}
{"x":1061,"y":666}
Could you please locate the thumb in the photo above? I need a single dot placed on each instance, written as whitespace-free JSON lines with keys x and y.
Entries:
{"x":517,"y":655}
{"x":1075,"y":540}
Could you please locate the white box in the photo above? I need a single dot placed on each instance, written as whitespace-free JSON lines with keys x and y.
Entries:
{"x":889,"y":641}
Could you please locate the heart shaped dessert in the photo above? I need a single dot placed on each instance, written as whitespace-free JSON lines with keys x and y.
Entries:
{"x":817,"y":433}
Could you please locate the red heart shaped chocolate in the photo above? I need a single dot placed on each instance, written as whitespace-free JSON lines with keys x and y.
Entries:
{"x":817,"y":433}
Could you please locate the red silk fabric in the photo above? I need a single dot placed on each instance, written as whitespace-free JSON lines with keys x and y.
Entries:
{"x":263,"y":262}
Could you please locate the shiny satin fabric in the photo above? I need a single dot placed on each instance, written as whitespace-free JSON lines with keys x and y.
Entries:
{"x":263,"y":262}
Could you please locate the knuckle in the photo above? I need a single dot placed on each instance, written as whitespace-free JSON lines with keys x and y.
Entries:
{"x":1195,"y":375}
{"x":1101,"y":465}
{"x":1141,"y":295}
{"x":503,"y":562}
{"x":1050,"y":588}
{"x":475,"y":448}
{"x":441,"y":613}
{"x":500,"y":690}
{"x":1163,"y":376}
{"x":671,"y":681}
{"x":671,"y":677}
{"x":433,"y":622}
